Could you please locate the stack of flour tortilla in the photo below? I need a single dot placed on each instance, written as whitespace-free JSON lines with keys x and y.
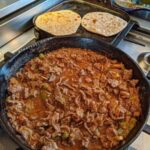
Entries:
{"x":67,"y":22}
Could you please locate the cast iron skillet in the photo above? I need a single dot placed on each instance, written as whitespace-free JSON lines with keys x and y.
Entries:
{"x":24,"y":55}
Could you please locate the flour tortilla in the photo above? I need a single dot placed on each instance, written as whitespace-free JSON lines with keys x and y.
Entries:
{"x":103,"y":23}
{"x":64,"y":22}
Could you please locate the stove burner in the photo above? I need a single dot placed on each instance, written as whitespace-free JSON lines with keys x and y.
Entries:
{"x":144,"y":61}
{"x":147,"y":59}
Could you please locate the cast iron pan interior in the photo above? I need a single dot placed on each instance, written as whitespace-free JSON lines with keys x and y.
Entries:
{"x":24,"y":55}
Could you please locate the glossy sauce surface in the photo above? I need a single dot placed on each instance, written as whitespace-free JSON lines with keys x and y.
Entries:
{"x":73,"y":99}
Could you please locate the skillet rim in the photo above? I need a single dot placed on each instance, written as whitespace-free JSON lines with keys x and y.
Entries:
{"x":17,"y":140}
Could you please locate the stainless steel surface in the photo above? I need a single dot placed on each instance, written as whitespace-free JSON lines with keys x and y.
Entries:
{"x":142,"y":14}
{"x":139,"y":36}
{"x":134,"y":50}
{"x":17,"y":43}
{"x":144,"y":61}
{"x":18,"y":24}
{"x":8,"y":6}
{"x":143,"y":23}
{"x":5,"y":3}
{"x":147,"y":60}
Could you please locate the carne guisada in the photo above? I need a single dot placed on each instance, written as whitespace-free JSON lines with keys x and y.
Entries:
{"x":73,"y":98}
